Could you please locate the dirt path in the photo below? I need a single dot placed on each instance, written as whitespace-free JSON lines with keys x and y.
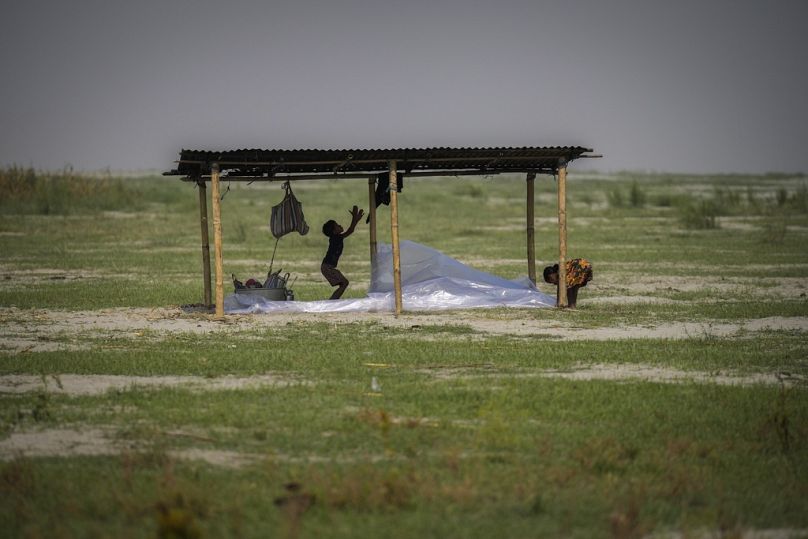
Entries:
{"x":631,"y":372}
{"x":58,"y":443}
{"x":42,"y":331}
{"x":97,"y":384}
{"x":74,"y":385}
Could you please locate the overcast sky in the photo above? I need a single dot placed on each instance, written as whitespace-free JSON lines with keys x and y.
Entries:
{"x":679,"y":86}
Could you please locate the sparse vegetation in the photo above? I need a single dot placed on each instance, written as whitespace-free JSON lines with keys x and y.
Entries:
{"x":700,"y":214}
{"x":27,"y":191}
{"x":800,"y":198}
{"x":615,"y":198}
{"x":460,"y":438}
{"x":636,"y":196}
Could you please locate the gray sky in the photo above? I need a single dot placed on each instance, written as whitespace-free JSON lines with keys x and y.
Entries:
{"x":680,"y":86}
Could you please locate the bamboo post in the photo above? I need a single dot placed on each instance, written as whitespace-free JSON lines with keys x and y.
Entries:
{"x":531,"y":238}
{"x":394,"y":233}
{"x":217,"y":238}
{"x":562,"y":233}
{"x":372,"y":214}
{"x":203,"y":221}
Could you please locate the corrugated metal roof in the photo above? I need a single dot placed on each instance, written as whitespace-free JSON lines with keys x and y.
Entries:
{"x":277,"y":163}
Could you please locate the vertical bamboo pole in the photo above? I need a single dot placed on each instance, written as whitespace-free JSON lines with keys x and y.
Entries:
{"x":203,"y":221}
{"x":562,"y":234}
{"x":531,"y":238}
{"x":372,"y":214}
{"x":394,"y":233}
{"x":217,"y":238}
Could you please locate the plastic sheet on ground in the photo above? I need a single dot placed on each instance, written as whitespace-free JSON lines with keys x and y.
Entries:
{"x":430,"y":281}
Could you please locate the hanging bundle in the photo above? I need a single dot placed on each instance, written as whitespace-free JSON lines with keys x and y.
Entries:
{"x":382,"y":194}
{"x":288,"y":215}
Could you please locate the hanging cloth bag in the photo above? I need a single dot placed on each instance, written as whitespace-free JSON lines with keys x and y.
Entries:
{"x":287,"y":216}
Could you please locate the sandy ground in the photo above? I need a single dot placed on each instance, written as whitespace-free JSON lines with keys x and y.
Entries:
{"x":97,"y":441}
{"x":97,"y":384}
{"x":75,"y":385}
{"x":24,"y":331}
{"x":41,"y":331}
{"x":100,"y":441}
{"x":58,"y":443}
{"x":754,"y":288}
{"x":77,"y":441}
{"x":632,"y":372}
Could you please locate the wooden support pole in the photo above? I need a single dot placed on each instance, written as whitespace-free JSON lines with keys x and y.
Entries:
{"x":372,"y":214}
{"x":217,"y":239}
{"x":531,"y":238}
{"x":394,"y":233}
{"x":203,"y":221}
{"x":562,"y":234}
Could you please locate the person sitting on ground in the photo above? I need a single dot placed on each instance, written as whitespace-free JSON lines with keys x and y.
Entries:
{"x":336,"y":236}
{"x":579,"y":272}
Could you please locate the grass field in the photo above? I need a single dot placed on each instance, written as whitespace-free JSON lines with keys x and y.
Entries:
{"x":672,"y":403}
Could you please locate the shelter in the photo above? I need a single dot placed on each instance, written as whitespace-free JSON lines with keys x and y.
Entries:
{"x":201,"y":167}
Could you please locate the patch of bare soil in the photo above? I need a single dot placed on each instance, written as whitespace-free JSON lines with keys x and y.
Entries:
{"x":121,"y":320}
{"x":58,"y":443}
{"x":648,"y":373}
{"x":97,"y":384}
{"x":23,"y":345}
{"x":680,"y":330}
{"x":236,"y":459}
{"x":560,"y":330}
{"x":625,"y":300}
{"x":217,"y":457}
{"x":752,"y":287}
{"x":77,"y":441}
{"x":29,"y":330}
{"x":630,"y":372}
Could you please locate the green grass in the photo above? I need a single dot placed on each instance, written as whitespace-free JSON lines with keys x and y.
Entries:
{"x":531,"y":455}
{"x":465,"y":438}
{"x":308,"y":351}
{"x":27,"y":191}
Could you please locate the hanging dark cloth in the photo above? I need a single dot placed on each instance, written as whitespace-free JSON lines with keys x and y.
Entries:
{"x":382,"y":194}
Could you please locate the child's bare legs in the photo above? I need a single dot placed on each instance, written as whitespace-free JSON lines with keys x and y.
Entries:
{"x":335,"y":278}
{"x":340,"y":290}
{"x":572,"y":296}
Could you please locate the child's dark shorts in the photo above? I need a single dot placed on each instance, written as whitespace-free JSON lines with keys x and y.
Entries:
{"x":333,"y":275}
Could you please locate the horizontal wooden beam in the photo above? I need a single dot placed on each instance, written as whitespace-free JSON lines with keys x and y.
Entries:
{"x":341,"y":162}
{"x":353,"y":176}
